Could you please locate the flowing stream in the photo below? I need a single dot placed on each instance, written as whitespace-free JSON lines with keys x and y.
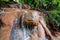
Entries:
{"x":24,"y":33}
{"x":16,"y":35}
{"x":20,"y":6}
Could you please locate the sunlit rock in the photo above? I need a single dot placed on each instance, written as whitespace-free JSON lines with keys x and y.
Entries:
{"x":22,"y":25}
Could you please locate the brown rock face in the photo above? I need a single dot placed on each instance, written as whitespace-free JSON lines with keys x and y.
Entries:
{"x":31,"y":17}
{"x":8,"y":18}
{"x":10,"y":30}
{"x":27,"y":31}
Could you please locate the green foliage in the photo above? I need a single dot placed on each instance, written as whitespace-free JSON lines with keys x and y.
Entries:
{"x":54,"y":15}
{"x":32,"y":3}
{"x":44,"y":4}
{"x":49,"y":4}
{"x":21,"y":1}
{"x":4,"y":0}
{"x":54,"y":19}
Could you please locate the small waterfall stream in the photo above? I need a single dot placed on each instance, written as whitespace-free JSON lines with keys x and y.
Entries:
{"x":25,"y":32}
{"x":23,"y":29}
{"x":16,"y":35}
{"x":20,"y":6}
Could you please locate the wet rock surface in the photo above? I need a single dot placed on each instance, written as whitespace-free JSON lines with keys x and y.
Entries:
{"x":11,"y":26}
{"x":22,"y":24}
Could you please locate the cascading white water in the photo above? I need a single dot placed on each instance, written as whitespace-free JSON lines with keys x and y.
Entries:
{"x":25,"y":33}
{"x":1,"y":12}
{"x":20,"y":6}
{"x":19,"y":34}
{"x":23,"y":29}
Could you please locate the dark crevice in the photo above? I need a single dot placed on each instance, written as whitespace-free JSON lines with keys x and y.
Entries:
{"x":1,"y":24}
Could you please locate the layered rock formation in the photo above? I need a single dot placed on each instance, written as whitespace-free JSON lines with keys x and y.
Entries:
{"x":23,"y":24}
{"x":11,"y":19}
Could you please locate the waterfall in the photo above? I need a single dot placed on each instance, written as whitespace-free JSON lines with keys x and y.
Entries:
{"x":29,"y":31}
{"x":1,"y":12}
{"x":20,"y":6}
{"x":19,"y":34}
{"x":23,"y":29}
